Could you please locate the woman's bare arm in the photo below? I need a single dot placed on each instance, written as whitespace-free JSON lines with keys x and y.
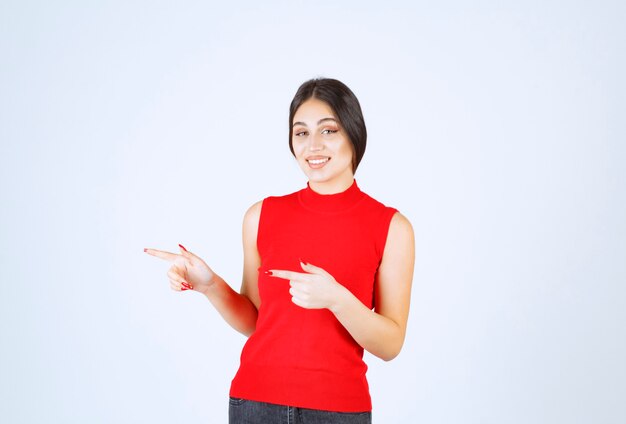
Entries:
{"x":382,"y":332}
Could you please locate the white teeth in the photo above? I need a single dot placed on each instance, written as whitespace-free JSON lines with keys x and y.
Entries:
{"x":318,"y":161}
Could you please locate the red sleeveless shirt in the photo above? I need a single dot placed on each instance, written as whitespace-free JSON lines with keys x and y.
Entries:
{"x":305,"y":357}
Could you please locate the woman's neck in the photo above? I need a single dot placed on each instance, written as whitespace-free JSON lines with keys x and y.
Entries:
{"x":336,"y":185}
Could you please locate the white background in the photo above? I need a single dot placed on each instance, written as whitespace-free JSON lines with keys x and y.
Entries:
{"x":497,"y":129}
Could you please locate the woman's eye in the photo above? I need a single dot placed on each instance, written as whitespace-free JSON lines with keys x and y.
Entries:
{"x":298,"y":134}
{"x":327,"y":131}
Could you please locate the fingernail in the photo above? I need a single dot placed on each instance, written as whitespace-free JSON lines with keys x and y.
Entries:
{"x":185,"y":284}
{"x":145,"y":249}
{"x":183,"y":288}
{"x":268,"y":273}
{"x":182,"y":247}
{"x":302,"y":262}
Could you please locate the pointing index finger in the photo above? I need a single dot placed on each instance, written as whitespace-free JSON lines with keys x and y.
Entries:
{"x":289,"y":275}
{"x":171,"y":257}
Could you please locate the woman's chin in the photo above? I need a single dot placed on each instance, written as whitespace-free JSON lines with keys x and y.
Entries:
{"x":317,"y":177}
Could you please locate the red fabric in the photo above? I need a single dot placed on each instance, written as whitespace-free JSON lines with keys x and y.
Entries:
{"x":305,"y":357}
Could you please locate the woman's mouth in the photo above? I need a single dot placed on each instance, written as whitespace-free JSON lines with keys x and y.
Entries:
{"x":317,"y":162}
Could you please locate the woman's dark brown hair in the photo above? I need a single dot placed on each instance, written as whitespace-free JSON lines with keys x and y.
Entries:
{"x":345,"y":106}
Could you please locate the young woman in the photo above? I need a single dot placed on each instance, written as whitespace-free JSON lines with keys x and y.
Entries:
{"x":327,"y":273}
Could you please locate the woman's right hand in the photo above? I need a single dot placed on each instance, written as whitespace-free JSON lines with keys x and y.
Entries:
{"x":188,"y":271}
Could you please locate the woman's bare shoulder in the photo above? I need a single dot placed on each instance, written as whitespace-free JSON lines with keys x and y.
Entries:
{"x":252,"y":215}
{"x":255,"y":209}
{"x":401,"y":222}
{"x":401,"y":233}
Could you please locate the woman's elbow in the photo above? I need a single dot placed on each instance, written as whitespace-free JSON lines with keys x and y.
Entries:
{"x":390,"y":353}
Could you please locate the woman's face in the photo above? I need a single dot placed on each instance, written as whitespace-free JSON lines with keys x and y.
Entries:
{"x":321,"y":146}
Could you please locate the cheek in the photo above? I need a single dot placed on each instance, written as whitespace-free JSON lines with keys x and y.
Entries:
{"x":298,"y":149}
{"x":346,"y":151}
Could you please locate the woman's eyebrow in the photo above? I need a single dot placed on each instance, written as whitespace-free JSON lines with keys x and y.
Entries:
{"x":318,"y":122}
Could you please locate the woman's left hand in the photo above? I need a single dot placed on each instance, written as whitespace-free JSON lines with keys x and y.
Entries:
{"x":313,"y":289}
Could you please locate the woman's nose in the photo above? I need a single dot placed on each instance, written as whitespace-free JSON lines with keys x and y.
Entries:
{"x":316,"y":143}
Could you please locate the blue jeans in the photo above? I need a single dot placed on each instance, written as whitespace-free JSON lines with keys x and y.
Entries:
{"x":242,"y":411}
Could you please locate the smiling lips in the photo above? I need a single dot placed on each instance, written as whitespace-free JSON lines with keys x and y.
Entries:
{"x":317,"y":161}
